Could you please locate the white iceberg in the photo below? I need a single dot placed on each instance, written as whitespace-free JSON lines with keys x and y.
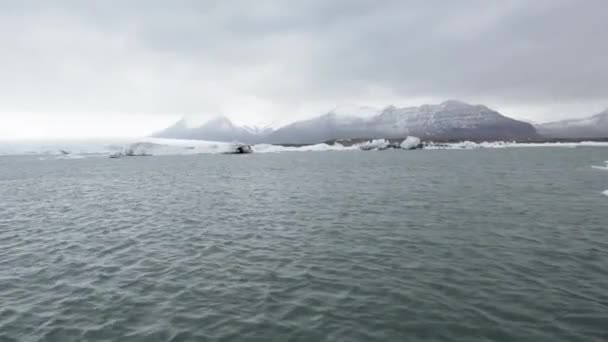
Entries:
{"x":376,"y":144}
{"x":469,"y":145}
{"x":410,"y":143}
{"x":267,"y":148}
{"x":158,"y":146}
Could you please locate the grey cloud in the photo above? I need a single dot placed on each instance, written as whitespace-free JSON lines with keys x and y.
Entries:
{"x":196,"y":56}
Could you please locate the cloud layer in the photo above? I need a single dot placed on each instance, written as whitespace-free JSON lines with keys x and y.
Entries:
{"x":280,"y":60}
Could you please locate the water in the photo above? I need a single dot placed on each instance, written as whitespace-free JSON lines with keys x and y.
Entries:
{"x":483,"y":245}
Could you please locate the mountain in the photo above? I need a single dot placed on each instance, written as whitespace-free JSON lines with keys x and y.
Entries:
{"x":217,"y":129}
{"x":450,"y":120}
{"x":325,"y":127}
{"x":595,"y":126}
{"x":446,"y":121}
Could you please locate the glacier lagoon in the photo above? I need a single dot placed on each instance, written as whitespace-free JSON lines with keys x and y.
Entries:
{"x":501,"y":244}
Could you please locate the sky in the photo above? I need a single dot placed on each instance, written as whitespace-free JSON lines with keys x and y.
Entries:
{"x":109,"y":68}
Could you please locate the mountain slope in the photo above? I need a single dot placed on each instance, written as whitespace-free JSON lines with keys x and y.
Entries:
{"x":217,"y":129}
{"x":448,"y":120}
{"x":178,"y":130}
{"x":595,"y":126}
{"x":325,"y":127}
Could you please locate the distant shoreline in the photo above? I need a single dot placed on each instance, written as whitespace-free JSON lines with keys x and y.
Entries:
{"x":354,"y":141}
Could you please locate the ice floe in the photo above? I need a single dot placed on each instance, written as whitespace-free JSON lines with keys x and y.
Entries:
{"x":601,"y":167}
{"x":467,"y":145}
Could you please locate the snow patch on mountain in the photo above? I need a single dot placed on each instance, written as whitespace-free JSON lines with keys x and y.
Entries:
{"x":595,"y":126}
{"x":362,"y":112}
{"x":451,"y":119}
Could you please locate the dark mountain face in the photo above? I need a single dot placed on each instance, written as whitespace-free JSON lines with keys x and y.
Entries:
{"x":595,"y":126}
{"x":448,"y":120}
{"x":451,"y":120}
{"x":323,"y":128}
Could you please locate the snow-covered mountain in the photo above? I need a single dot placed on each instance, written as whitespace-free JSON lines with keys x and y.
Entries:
{"x":449,"y":120}
{"x":217,"y":129}
{"x":595,"y":126}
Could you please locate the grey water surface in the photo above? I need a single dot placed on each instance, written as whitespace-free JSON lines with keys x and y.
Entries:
{"x":479,"y":245}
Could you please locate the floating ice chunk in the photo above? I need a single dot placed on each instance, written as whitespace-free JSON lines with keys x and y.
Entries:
{"x":410,"y":143}
{"x":601,"y":167}
{"x":376,"y":144}
{"x":508,"y":144}
{"x":70,"y":156}
{"x":605,"y":193}
{"x":157,"y":147}
{"x":267,"y":148}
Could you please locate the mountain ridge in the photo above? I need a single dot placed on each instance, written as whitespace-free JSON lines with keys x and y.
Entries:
{"x":595,"y":126}
{"x":451,"y":119}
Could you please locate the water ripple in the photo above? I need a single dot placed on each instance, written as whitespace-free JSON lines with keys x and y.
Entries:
{"x":348,"y":247}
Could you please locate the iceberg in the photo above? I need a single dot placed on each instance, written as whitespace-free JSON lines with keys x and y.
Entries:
{"x":376,"y":144}
{"x":160,"y":146}
{"x":411,"y":143}
{"x":605,"y":193}
{"x":268,"y":148}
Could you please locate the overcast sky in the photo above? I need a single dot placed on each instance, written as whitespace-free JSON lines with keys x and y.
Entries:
{"x":72,"y":68}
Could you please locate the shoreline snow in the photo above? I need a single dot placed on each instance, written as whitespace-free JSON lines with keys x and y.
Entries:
{"x":161,"y":146}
